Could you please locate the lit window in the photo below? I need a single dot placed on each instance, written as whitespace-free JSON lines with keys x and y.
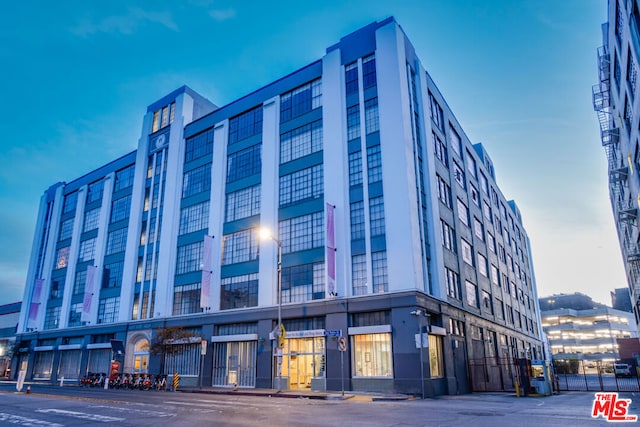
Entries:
{"x":372,"y":355}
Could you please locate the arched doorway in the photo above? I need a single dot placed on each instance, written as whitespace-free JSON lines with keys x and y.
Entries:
{"x":141,"y":356}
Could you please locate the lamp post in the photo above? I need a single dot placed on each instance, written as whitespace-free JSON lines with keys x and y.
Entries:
{"x":420,"y":314}
{"x":265,"y":234}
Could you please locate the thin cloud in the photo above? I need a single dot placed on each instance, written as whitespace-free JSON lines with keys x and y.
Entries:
{"x":125,"y":24}
{"x":222,"y":14}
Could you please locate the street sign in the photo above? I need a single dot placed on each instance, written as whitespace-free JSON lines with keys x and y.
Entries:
{"x":342,"y":344}
{"x":333,"y":333}
{"x":282,"y":335}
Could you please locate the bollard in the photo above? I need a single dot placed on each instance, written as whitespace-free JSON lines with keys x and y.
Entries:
{"x":517,"y":389}
{"x":235,"y":386}
{"x":28,"y":389}
{"x":176,"y":381}
{"x":61,"y":381}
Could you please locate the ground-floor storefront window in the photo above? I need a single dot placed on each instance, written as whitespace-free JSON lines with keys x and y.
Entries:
{"x":435,"y":356}
{"x":99,"y":360}
{"x":69,"y":366}
{"x":303,"y":361}
{"x":234,"y":363}
{"x":43,"y":365}
{"x":372,"y":355}
{"x":184,"y":359}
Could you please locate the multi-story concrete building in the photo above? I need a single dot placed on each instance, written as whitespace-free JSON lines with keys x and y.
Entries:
{"x":387,"y":221}
{"x":616,"y":101}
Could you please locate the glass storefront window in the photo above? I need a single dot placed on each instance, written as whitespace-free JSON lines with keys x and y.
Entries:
{"x":234,"y":363}
{"x":69,"y":367}
{"x":372,"y":356}
{"x":435,"y":356}
{"x":43,"y":365}
{"x":303,"y":360}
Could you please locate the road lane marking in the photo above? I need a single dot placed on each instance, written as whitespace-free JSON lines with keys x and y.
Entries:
{"x":17,"y":419}
{"x":145,"y":412}
{"x":81,"y":415}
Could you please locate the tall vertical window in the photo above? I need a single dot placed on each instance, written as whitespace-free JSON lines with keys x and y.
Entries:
{"x":186,"y":299}
{"x":95,"y":191}
{"x":371,"y":118}
{"x":355,"y":168}
{"x":70,"y":202}
{"x":120,"y":208}
{"x":302,"y":232}
{"x":494,"y":275}
{"x":52,"y":318}
{"x":456,"y":141}
{"x":359,"y":274}
{"x":91,"y":220}
{"x":301,"y":185}
{"x":301,"y":142}
{"x":376,"y":216}
{"x":374,"y":164}
{"x":62,"y":257}
{"x":467,"y":253}
{"x":351,"y":78}
{"x":66,"y":229}
{"x":116,"y":241}
{"x":357,"y":220}
{"x":471,"y":164}
{"x":453,"y":284}
{"x":75,"y":314}
{"x":189,"y":258}
{"x":242,"y":203}
{"x":448,"y":236}
{"x":112,"y":275}
{"x":301,"y":100}
{"x":440,"y":149}
{"x":245,"y":125}
{"x":79,"y":282}
{"x":244,"y":163}
{"x":239,"y":291}
{"x":472,"y":293}
{"x":194,"y":218}
{"x":240,"y":247}
{"x":369,"y":71}
{"x":108,"y":309}
{"x":478,"y":229}
{"x":196,"y":180}
{"x":372,"y":355}
{"x":198,"y":145}
{"x":379,"y":271}
{"x":436,"y":112}
{"x":482,"y":265}
{"x":458,"y":174}
{"x":353,"y":122}
{"x":124,"y":178}
{"x":444,"y":192}
{"x":463,"y":212}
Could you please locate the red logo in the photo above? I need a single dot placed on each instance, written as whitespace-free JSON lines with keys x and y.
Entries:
{"x":611,"y":408}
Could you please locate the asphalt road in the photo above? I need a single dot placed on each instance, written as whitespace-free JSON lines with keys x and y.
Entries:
{"x":74,"y":406}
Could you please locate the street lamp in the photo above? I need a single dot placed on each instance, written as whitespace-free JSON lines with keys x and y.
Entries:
{"x":266,"y":234}
{"x":420,"y":314}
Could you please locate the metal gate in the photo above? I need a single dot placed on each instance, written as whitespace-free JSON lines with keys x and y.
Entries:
{"x":493,"y":374}
{"x":585,"y":375}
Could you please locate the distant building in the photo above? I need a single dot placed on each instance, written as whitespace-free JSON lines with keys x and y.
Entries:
{"x":578,"y":330}
{"x":9,"y":315}
{"x":621,"y":300}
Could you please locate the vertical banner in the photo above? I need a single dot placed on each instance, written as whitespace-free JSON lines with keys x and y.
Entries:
{"x":330,"y":250}
{"x":205,"y":285}
{"x":92,"y":271}
{"x":34,"y":307}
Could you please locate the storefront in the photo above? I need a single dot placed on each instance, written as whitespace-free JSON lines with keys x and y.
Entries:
{"x":303,"y":360}
{"x":234,"y":360}
{"x":69,"y":365}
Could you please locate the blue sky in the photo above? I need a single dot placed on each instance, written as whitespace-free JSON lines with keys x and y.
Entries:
{"x":77,"y":77}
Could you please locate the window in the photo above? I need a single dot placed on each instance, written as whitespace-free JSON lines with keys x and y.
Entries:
{"x":70,"y":202}
{"x":458,"y":174}
{"x":444,"y":192}
{"x":436,"y":360}
{"x":75,"y":314}
{"x":628,"y":113}
{"x":120,"y":209}
{"x":484,"y":185}
{"x":376,"y":216}
{"x":95,"y":191}
{"x":379,"y":271}
{"x":91,"y":220}
{"x":116,"y":241}
{"x":244,"y":163}
{"x":196,"y":180}
{"x":353,"y":122}
{"x":243,"y":203}
{"x":448,"y":236}
{"x":478,"y":229}
{"x":456,"y":142}
{"x":239,"y":291}
{"x":124,"y":178}
{"x":245,"y":125}
{"x":351,"y":78}
{"x":87,"y":250}
{"x":66,"y":229}
{"x":494,"y":275}
{"x":359,"y":274}
{"x":463,"y":212}
{"x":240,"y":247}
{"x":148,"y":265}
{"x":303,"y":282}
{"x":486,"y":209}
{"x":475,"y":195}
{"x":371,"y":117}
{"x":112,"y":275}
{"x":186,"y":299}
{"x":194,"y":218}
{"x":57,"y":289}
{"x":198,"y":145}
{"x":79,"y":283}
{"x":372,"y":355}
{"x":453,"y":284}
{"x":466,"y":252}
{"x":62,"y":257}
{"x":189,"y":258}
{"x":482,"y":265}
{"x":355,"y":168}
{"x":374,"y":164}
{"x":357,"y":220}
{"x":472,"y":293}
{"x":440,"y":149}
{"x":487,"y":305}
{"x":301,"y":185}
{"x":52,"y":318}
{"x":369,"y":71}
{"x":471,"y":164}
{"x":108,"y":310}
{"x":303,"y":232}
{"x":301,"y":142}
{"x":436,"y":112}
{"x":301,"y":100}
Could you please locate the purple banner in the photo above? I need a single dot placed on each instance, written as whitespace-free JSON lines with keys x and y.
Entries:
{"x":205,"y":285}
{"x":88,"y":293}
{"x":34,"y":307}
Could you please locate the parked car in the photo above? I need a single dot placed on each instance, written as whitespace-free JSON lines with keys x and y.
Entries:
{"x":622,"y":369}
